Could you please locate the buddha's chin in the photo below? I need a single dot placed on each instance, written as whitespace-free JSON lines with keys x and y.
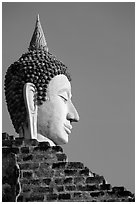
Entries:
{"x":59,"y":137}
{"x":62,"y":138}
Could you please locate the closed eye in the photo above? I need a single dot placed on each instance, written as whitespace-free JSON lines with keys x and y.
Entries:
{"x":64,"y":99}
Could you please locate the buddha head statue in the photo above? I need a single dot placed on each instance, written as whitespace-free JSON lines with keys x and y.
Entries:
{"x":38,"y":94}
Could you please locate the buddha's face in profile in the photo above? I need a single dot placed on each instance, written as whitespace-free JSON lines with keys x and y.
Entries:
{"x":55,"y":115}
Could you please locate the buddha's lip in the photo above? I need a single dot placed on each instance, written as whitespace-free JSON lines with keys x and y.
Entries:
{"x":68,"y":128}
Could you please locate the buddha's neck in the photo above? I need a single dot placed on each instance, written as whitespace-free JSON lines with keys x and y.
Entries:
{"x":24,"y":132}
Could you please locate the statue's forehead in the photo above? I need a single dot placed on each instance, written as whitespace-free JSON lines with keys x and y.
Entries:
{"x":59,"y":83}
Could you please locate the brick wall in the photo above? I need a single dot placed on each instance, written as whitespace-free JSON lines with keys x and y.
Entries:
{"x":34,"y":171}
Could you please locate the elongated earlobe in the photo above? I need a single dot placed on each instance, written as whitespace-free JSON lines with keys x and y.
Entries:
{"x":31,"y":107}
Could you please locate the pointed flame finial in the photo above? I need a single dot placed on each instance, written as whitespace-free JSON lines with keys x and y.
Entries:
{"x":38,"y":40}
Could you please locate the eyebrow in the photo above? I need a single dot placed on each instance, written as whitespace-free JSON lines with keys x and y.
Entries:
{"x":65,"y":90}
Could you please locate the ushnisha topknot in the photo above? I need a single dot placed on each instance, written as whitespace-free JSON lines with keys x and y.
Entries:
{"x":38,"y":40}
{"x":37,"y":66}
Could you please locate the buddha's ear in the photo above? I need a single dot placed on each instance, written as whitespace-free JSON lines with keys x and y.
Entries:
{"x":31,"y":107}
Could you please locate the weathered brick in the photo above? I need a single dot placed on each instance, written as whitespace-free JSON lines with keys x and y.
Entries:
{"x":45,"y":165}
{"x":39,"y":174}
{"x":92,"y":187}
{"x":5,"y":135}
{"x":51,"y":160}
{"x":131,"y":199}
{"x":11,"y":179}
{"x":64,"y":196}
{"x":46,"y":181}
{"x":27,"y":166}
{"x":19,"y":158}
{"x":95,"y":180}
{"x":8,"y":194}
{"x":9,"y":167}
{"x":57,"y":148}
{"x":7,"y":143}
{"x":15,"y":150}
{"x":25,"y":150}
{"x":110,"y":192}
{"x":30,"y":142}
{"x":61,"y":157}
{"x":50,"y":155}
{"x":97,"y":193}
{"x":59,"y":173}
{"x":6,"y":150}
{"x":84,"y":172}
{"x":59,"y":165}
{"x":4,"y":179}
{"x":77,"y":196}
{"x":27,"y":174}
{"x":51,"y":197}
{"x":12,"y":137}
{"x":68,"y":180}
{"x":30,"y":181}
{"x":118,"y":189}
{"x":86,"y":196}
{"x":44,"y":189}
{"x":81,"y":188}
{"x":87,"y":187}
{"x":35,"y":197}
{"x":43,"y":146}
{"x":70,"y":188}
{"x":125,"y":193}
{"x":58,"y":181}
{"x":44,"y":156}
{"x":38,"y":157}
{"x":43,"y":173}
{"x":105,"y":187}
{"x":111,"y":200}
{"x":60,"y":188}
{"x":33,"y":142}
{"x":75,"y":165}
{"x":79,"y":180}
{"x":26,"y":188}
{"x":71,"y":172}
{"x":18,"y":141}
{"x":27,"y":157}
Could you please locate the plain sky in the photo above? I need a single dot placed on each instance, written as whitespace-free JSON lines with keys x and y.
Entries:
{"x":96,"y":40}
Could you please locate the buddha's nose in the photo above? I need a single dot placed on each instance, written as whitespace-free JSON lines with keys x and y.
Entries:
{"x":72,"y":115}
